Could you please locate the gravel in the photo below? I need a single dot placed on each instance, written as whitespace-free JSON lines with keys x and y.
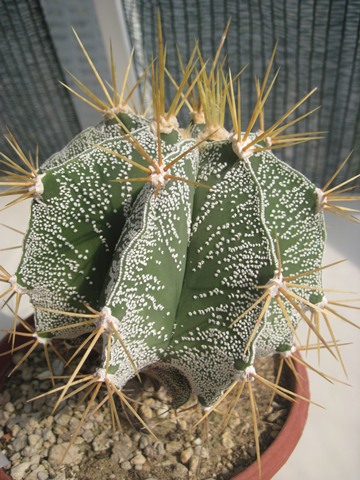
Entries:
{"x":34,"y":439}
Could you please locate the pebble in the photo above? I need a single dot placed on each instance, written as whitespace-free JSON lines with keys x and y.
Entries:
{"x":42,"y":476}
{"x":35,"y":440}
{"x":62,"y":419}
{"x":138,"y":460}
{"x":160,"y":448}
{"x":121,"y":450}
{"x":18,"y":472}
{"x":144,"y":442}
{"x":126,"y":465}
{"x":101,"y":442}
{"x":186,"y":455}
{"x":183,"y":425}
{"x":57,"y":452}
{"x":19,"y":442}
{"x":226,"y":440}
{"x":88,"y":436}
{"x":146,"y":412}
{"x":48,"y":435}
{"x":174,"y":447}
{"x":9,"y":407}
{"x":180,"y":471}
{"x":194,"y":464}
{"x":162,"y":412}
{"x":14,"y":430}
{"x":276,"y":415}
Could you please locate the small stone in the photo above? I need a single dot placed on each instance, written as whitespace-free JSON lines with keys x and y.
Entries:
{"x":121,"y":450}
{"x":14,"y":430}
{"x":48,"y":435}
{"x":27,"y":408}
{"x":18,"y":472}
{"x":160,"y":448}
{"x":162,"y":412}
{"x":100,"y":443}
{"x":169,"y":461}
{"x":99,"y":417}
{"x":180,"y":471}
{"x":276,"y":415}
{"x":198,"y":450}
{"x":4,"y":397}
{"x":88,"y":425}
{"x":35,"y":440}
{"x":162,"y":394}
{"x":174,"y":447}
{"x":144,"y":442}
{"x":138,"y":460}
{"x":62,"y":419}
{"x":227,"y":441}
{"x":126,"y":465}
{"x":146,"y":412}
{"x":186,"y":455}
{"x":88,"y":436}
{"x":183,"y":425}
{"x":9,"y":407}
{"x":252,"y":451}
{"x":35,"y":460}
{"x":42,"y":476}
{"x":56,"y":454}
{"x":31,"y":476}
{"x":235,"y":421}
{"x":194,"y":464}
{"x":150,"y":452}
{"x":19,"y":443}
{"x":29,"y":451}
{"x":48,"y":421}
{"x":136,"y":437}
{"x":60,"y":476}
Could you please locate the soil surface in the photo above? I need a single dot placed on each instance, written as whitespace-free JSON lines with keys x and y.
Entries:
{"x":34,"y":438}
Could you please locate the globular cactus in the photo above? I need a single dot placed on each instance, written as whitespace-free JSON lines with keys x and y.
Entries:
{"x":182,"y":253}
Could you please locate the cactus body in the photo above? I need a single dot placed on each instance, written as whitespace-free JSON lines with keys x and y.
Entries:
{"x":175,"y":270}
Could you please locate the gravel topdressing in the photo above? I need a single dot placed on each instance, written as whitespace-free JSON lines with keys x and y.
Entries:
{"x":34,"y":439}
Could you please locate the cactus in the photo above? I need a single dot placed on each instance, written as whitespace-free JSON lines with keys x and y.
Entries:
{"x":185,"y":253}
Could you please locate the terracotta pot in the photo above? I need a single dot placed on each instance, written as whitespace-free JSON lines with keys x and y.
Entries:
{"x":271,"y":460}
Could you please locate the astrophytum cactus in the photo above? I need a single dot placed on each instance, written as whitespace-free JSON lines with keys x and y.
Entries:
{"x":185,"y":253}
